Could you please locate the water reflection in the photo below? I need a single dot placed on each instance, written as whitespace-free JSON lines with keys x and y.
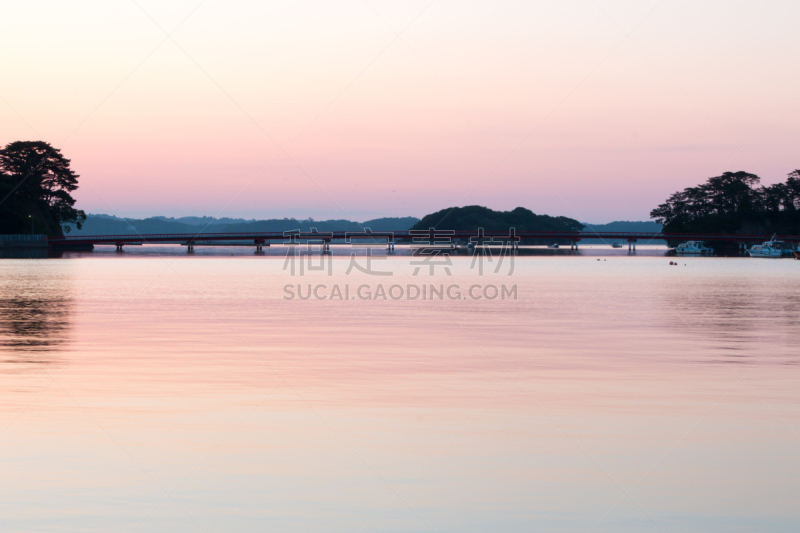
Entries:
{"x":35,"y":309}
{"x":31,"y":324}
{"x":733,"y":315}
{"x":484,"y":415}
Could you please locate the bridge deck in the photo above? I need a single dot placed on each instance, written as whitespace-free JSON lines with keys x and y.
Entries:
{"x":394,"y":236}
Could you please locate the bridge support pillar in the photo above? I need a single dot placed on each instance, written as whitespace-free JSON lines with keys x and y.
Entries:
{"x":119,"y":247}
{"x":258,"y":248}
{"x":190,"y":248}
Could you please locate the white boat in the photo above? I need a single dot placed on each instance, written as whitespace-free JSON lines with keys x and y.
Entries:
{"x":693,"y":248}
{"x":616,"y":245}
{"x":554,"y":245}
{"x":771,"y":248}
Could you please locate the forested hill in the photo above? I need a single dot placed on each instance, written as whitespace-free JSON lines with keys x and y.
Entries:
{"x":472,"y":217}
{"x":110,"y":225}
{"x":734,"y":203}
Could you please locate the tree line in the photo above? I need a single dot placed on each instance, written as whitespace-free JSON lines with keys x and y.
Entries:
{"x":734,"y":202}
{"x":36,"y":183}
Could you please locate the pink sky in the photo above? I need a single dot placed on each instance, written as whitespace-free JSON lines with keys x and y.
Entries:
{"x":364,"y":109}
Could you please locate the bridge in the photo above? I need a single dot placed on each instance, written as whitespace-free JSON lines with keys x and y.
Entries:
{"x":431,"y":237}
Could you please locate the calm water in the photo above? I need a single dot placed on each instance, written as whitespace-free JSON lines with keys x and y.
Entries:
{"x":149,"y":392}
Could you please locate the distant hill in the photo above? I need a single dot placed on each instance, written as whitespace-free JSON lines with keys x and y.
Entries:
{"x":202,"y":221}
{"x":472,"y":217}
{"x":468,"y":218}
{"x":624,"y":225}
{"x":100,"y":224}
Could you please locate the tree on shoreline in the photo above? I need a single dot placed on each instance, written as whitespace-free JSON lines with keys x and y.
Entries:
{"x":35,"y":188}
{"x":731,"y":203}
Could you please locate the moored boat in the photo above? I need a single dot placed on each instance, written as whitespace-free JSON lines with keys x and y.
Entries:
{"x":692,"y":248}
{"x":771,"y":249}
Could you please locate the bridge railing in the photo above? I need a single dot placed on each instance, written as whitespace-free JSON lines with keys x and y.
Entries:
{"x":23,"y":237}
{"x":218,"y":236}
{"x":176,"y":236}
{"x":402,"y":235}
